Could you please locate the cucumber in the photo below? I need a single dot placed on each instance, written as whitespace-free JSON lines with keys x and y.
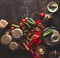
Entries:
{"x":31,"y":21}
{"x":47,"y":33}
{"x":15,"y":25}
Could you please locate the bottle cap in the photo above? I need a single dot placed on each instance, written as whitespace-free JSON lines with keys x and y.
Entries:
{"x":17,"y":33}
{"x":52,"y":39}
{"x":55,"y":36}
{"x":6,"y":39}
{"x":52,"y":7}
{"x":13,"y":45}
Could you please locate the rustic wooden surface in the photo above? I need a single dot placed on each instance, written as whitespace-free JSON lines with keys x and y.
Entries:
{"x":14,"y":10}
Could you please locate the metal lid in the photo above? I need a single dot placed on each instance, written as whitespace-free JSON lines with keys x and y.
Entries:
{"x":13,"y":45}
{"x":6,"y":39}
{"x":53,"y":38}
{"x":52,"y":7}
{"x":17,"y":33}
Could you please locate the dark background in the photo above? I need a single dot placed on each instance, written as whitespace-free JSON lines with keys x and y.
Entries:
{"x":14,"y":10}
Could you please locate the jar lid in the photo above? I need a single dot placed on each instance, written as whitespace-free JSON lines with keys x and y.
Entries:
{"x":52,"y":7}
{"x":55,"y":36}
{"x":6,"y":39}
{"x":17,"y":33}
{"x":13,"y":45}
{"x":52,"y":39}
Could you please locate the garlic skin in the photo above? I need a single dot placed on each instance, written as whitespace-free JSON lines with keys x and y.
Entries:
{"x":3,"y":23}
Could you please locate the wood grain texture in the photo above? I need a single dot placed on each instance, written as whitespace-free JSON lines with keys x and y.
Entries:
{"x":14,"y":10}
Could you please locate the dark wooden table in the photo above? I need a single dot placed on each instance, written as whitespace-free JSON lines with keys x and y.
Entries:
{"x":14,"y":10}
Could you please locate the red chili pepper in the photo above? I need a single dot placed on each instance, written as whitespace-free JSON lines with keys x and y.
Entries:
{"x":23,"y":20}
{"x":32,"y":30}
{"x":35,"y":55}
{"x":23,"y":28}
{"x":40,"y":24}
{"x":42,"y":14}
{"x":29,"y":34}
{"x":37,"y":21}
{"x":12,"y":28}
{"x":39,"y":41}
{"x":36,"y":39}
{"x":21,"y":24}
